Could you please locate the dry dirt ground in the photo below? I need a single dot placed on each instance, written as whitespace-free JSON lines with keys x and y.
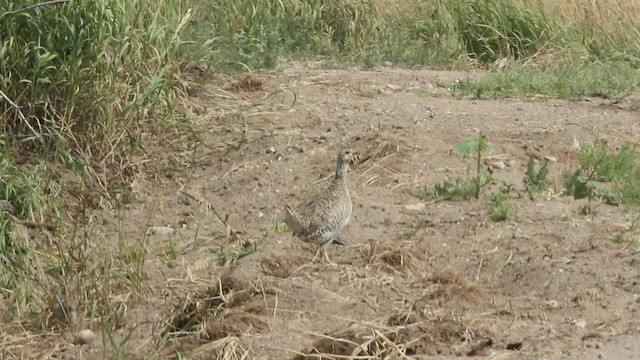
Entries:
{"x":417,"y":279}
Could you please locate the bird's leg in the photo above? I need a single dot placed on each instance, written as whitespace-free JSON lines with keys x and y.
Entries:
{"x":316,"y":256}
{"x":323,"y":248}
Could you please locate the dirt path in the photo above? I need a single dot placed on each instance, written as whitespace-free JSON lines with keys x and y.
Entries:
{"x":429,"y":279}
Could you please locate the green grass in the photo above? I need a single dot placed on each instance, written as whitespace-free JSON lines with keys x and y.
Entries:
{"x":536,"y":181}
{"x":499,"y":207}
{"x":605,"y":173}
{"x":101,"y":93}
{"x":610,"y":80}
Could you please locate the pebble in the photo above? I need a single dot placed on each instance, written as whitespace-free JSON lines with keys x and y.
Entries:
{"x":160,"y":230}
{"x":551,"y":158}
{"x":498,"y":165}
{"x":271,"y":150}
{"x":84,"y":337}
{"x":7,"y":206}
{"x":510,"y":163}
{"x":394,"y":87}
{"x":387,"y":64}
{"x":415,"y":207}
{"x":551,"y":304}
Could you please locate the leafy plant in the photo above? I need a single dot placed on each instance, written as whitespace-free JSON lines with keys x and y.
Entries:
{"x":459,"y":189}
{"x":604,"y":173}
{"x":415,"y":228}
{"x":475,"y":147}
{"x":498,"y":206}
{"x":230,"y":255}
{"x":536,"y":180}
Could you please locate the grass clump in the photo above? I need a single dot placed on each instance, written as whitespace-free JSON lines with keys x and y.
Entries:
{"x":463,"y":189}
{"x":86,"y":84}
{"x":536,"y":181}
{"x":458,"y":190}
{"x":607,"y":80}
{"x":499,"y":207}
{"x":253,"y":34}
{"x":605,"y":173}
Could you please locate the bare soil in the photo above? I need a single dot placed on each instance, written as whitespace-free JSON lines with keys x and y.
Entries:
{"x":417,"y":279}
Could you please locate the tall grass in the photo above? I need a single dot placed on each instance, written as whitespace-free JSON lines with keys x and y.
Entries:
{"x":85,"y":82}
{"x":85,"y":73}
{"x":81,"y":82}
{"x":254,"y":33}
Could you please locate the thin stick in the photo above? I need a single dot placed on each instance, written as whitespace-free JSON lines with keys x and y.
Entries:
{"x":506,"y":262}
{"x":479,"y":268}
{"x":20,"y":114}
{"x":33,"y":6}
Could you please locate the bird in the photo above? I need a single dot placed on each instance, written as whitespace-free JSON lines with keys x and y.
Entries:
{"x":322,"y":219}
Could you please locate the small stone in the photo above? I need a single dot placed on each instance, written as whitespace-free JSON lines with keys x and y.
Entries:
{"x":7,"y":206}
{"x":84,"y":337}
{"x":511,"y":163}
{"x":271,"y":150}
{"x":498,"y":165}
{"x":160,"y":230}
{"x":551,"y":304}
{"x":394,"y":87}
{"x":387,"y":64}
{"x":415,"y":207}
{"x":550,"y":158}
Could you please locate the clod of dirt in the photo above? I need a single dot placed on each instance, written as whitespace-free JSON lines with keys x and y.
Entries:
{"x":481,"y":349}
{"x":160,"y":230}
{"x":247,"y":83}
{"x":514,"y":346}
{"x":415,"y":207}
{"x":280,"y":266}
{"x":84,"y":337}
{"x":500,"y":165}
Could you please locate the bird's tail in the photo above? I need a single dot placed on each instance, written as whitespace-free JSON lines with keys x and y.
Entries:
{"x":340,"y":241}
{"x":291,"y":219}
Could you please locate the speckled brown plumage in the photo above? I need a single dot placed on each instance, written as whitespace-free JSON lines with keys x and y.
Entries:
{"x":322,"y":219}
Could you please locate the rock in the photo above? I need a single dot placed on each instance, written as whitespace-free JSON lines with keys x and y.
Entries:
{"x":498,"y":165}
{"x":550,"y":158}
{"x":415,"y":207}
{"x":160,"y":230}
{"x":551,"y":304}
{"x":387,"y":64}
{"x":511,"y":163}
{"x":394,"y":87}
{"x":84,"y":337}
{"x":271,"y":150}
{"x":7,"y":206}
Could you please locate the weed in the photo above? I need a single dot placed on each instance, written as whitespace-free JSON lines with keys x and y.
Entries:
{"x":463,"y":189}
{"x":498,"y":206}
{"x":276,"y":227}
{"x":459,"y":189}
{"x":570,"y":81}
{"x":475,"y":147}
{"x":416,"y":227}
{"x":629,"y":237}
{"x":230,"y":255}
{"x":603,"y":173}
{"x":536,"y":180}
